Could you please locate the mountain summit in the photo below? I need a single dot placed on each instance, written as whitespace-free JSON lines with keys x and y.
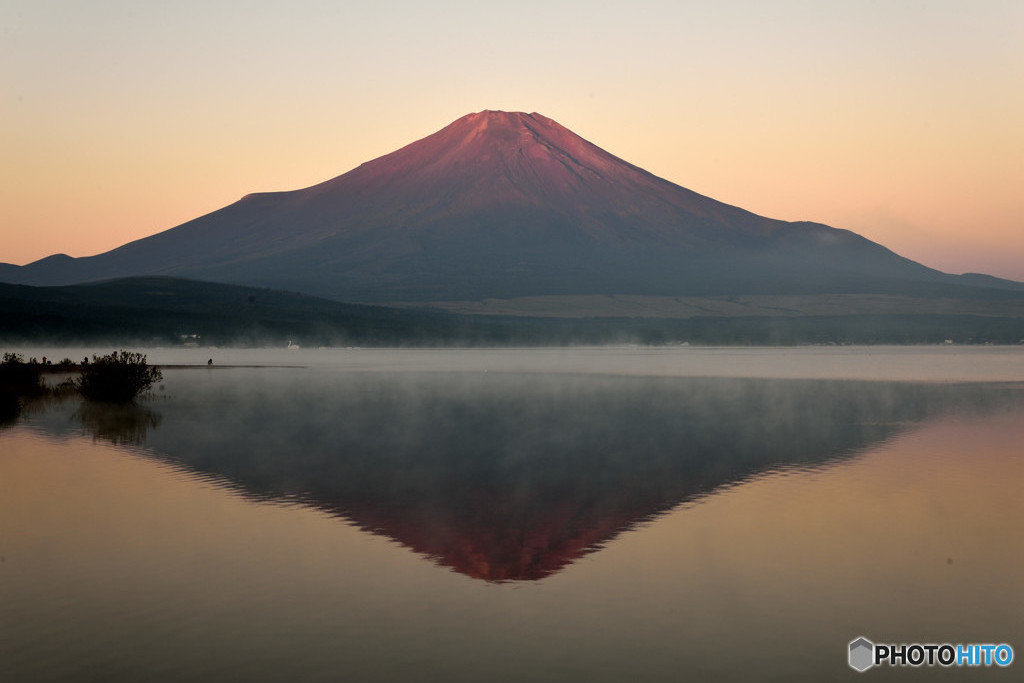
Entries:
{"x":527,"y":161}
{"x":499,"y":205}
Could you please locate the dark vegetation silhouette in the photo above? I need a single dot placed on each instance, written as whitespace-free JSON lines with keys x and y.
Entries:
{"x":18,"y":379}
{"x":17,"y":374}
{"x":111,"y":379}
{"x":117,"y":378}
{"x":159,"y":311}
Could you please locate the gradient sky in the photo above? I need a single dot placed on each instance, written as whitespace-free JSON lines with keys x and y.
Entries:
{"x":903,"y":121}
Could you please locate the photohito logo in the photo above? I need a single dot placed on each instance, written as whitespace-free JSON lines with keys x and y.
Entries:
{"x":864,"y":654}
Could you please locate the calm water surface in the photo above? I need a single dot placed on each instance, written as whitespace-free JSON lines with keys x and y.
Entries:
{"x":604,"y":515}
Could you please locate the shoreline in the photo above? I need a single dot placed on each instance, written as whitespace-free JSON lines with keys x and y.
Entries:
{"x":77,"y":368}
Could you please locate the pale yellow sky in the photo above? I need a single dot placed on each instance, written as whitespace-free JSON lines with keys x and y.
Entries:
{"x":899,"y":120}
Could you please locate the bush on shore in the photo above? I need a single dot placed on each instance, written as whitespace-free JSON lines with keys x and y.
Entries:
{"x":18,"y":380}
{"x":18,"y":376}
{"x":117,"y":378}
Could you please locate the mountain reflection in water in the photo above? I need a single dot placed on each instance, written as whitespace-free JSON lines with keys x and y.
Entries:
{"x":507,"y":477}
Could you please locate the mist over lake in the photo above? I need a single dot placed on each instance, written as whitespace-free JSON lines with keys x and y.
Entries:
{"x":580,"y":514}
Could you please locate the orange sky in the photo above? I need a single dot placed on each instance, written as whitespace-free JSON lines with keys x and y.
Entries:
{"x":900,"y":121}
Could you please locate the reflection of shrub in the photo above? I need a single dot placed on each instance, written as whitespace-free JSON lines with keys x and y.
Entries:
{"x":10,"y":407}
{"x":122,"y":425}
{"x":117,"y":378}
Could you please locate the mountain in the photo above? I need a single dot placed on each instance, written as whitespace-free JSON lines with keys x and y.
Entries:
{"x":504,"y":205}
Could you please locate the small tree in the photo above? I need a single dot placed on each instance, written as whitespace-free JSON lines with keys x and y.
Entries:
{"x":117,"y":378}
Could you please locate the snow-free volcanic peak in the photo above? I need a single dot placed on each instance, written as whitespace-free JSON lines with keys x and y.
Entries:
{"x":499,"y":205}
{"x":527,"y":160}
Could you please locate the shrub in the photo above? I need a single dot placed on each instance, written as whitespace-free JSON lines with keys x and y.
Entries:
{"x":17,"y":376}
{"x":117,"y":378}
{"x":18,"y":381}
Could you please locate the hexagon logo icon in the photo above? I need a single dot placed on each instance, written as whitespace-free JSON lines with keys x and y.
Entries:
{"x":862,"y":654}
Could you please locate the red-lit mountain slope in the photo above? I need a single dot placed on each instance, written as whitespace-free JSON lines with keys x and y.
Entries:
{"x":501,"y":205}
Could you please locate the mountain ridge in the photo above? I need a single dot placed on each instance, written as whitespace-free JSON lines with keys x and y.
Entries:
{"x":151,"y":310}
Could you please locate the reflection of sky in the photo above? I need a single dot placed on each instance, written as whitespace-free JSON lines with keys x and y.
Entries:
{"x":896,"y":120}
{"x":119,"y":564}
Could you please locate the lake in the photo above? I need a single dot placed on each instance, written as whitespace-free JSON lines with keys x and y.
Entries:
{"x":593,"y":514}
